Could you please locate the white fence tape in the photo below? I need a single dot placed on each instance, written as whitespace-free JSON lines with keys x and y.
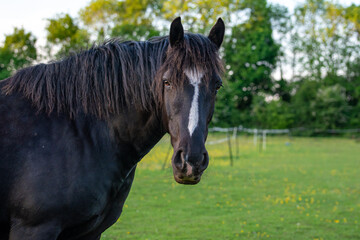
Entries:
{"x":280,"y":131}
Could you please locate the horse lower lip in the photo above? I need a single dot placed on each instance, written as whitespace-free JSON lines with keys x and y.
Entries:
{"x":187,"y":181}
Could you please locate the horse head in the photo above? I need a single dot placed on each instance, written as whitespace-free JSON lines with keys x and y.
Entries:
{"x":190,"y":79}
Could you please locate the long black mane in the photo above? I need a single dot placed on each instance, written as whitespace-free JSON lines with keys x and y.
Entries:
{"x":105,"y":78}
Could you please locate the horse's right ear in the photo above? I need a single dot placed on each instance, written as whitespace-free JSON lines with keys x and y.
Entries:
{"x":217,"y":33}
{"x":176,"y":36}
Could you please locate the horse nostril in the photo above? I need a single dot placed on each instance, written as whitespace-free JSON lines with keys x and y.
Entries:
{"x":205,"y":162}
{"x":178,"y":161}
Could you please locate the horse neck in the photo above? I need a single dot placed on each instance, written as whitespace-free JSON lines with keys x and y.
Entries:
{"x":140,"y":129}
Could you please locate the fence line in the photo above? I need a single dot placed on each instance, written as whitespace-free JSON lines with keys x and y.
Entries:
{"x":262,"y":133}
{"x":255,"y":131}
{"x":281,"y":131}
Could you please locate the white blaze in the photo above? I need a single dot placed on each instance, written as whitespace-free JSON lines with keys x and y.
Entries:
{"x":194,"y":77}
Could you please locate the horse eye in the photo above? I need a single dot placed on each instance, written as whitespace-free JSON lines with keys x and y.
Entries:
{"x":167,"y":83}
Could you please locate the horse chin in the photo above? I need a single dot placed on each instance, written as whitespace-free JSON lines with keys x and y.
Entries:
{"x":187,"y":181}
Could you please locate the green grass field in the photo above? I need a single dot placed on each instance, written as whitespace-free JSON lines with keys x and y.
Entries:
{"x":299,"y":188}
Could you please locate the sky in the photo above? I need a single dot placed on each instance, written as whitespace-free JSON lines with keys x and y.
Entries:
{"x":32,"y":14}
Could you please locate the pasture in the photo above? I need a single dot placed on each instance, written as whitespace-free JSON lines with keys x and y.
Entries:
{"x":299,"y":188}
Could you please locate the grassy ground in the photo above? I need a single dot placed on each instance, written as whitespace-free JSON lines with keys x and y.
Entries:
{"x":299,"y":188}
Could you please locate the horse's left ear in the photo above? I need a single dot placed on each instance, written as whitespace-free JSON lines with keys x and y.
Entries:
{"x":217,"y":32}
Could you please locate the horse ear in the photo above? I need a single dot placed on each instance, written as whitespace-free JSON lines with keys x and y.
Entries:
{"x":176,"y":33}
{"x":217,"y":32}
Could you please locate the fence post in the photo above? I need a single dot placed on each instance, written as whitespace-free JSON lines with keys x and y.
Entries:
{"x":255,"y":136}
{"x":264,"y":140}
{"x":236,"y":143}
{"x":230,"y":152}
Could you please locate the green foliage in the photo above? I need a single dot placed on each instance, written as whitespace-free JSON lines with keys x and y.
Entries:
{"x":99,"y":12}
{"x":64,"y":33}
{"x":352,"y":15}
{"x":305,"y":94}
{"x":330,"y":108}
{"x":274,"y":114}
{"x":251,"y":54}
{"x":134,"y":32}
{"x":98,"y":15}
{"x":5,"y":67}
{"x":198,"y":15}
{"x":225,"y":114}
{"x":18,"y":51}
{"x":109,"y":18}
{"x":325,"y":38}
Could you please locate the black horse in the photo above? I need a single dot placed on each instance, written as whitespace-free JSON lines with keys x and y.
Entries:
{"x":73,"y":131}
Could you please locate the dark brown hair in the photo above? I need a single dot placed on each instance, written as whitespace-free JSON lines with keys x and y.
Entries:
{"x":105,"y":78}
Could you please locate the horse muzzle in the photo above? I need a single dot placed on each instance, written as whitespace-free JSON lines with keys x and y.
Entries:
{"x":188,"y":168}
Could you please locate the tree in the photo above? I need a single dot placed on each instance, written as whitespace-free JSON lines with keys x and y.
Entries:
{"x":199,"y":15}
{"x":128,"y":19}
{"x":329,"y":108}
{"x":64,"y":33}
{"x":271,"y":114}
{"x":134,"y":32}
{"x":352,"y":16}
{"x":325,"y":38}
{"x":99,"y":15}
{"x":327,"y":43}
{"x":141,"y":19}
{"x":18,"y":51}
{"x":250,"y":54}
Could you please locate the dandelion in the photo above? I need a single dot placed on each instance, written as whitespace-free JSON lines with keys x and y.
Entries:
{"x":336,"y":221}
